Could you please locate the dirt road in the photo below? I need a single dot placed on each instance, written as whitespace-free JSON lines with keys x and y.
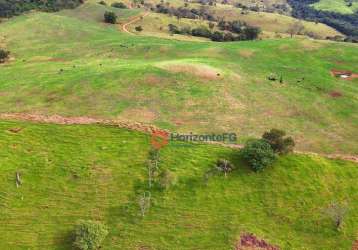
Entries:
{"x":136,"y":19}
{"x":146,"y":128}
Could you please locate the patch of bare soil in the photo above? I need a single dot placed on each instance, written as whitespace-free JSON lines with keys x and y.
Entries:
{"x":249,"y":241}
{"x":355,"y":245}
{"x":335,"y":94}
{"x":56,"y":119}
{"x":344,"y":74}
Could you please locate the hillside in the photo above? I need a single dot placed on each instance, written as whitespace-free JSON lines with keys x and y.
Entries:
{"x":340,"y":6}
{"x":87,"y":68}
{"x":72,"y":172}
{"x":84,"y":102}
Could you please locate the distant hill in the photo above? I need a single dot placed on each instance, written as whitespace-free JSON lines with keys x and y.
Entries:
{"x":345,"y":23}
{"x":339,"y":6}
{"x":9,"y":8}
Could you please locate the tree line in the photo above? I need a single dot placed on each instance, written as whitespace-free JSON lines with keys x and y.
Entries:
{"x":9,"y":8}
{"x":347,"y":24}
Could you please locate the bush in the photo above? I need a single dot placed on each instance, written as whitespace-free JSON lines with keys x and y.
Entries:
{"x":110,"y":17}
{"x":278,"y":142}
{"x":4,"y":54}
{"x":89,"y":235}
{"x":224,"y":166}
{"x":201,"y":32}
{"x":259,"y":154}
{"x":167,"y":179}
{"x":217,"y":36}
{"x":139,"y":28}
{"x":119,"y":5}
{"x":102,"y":3}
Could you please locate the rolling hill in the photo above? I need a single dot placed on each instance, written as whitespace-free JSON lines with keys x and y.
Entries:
{"x":87,"y":68}
{"x":71,"y":66}
{"x":72,"y":172}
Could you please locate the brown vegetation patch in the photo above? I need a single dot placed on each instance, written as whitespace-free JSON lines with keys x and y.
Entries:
{"x":249,"y":241}
{"x":139,"y":114}
{"x":199,"y":70}
{"x":46,"y":59}
{"x":335,"y":94}
{"x":246,"y":53}
{"x":311,"y":45}
{"x":153,"y":80}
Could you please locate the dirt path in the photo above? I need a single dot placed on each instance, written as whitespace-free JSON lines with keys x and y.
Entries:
{"x":137,"y":126}
{"x":136,"y":19}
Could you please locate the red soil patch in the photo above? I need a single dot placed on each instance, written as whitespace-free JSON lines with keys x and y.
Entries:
{"x":344,"y":74}
{"x":335,"y":94}
{"x":251,"y":242}
{"x":355,"y":245}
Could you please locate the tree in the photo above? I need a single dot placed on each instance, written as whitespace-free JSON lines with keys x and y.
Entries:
{"x":224,"y":166}
{"x":279,"y":143}
{"x":144,"y":203}
{"x":139,"y":28}
{"x":336,"y":212}
{"x":173,"y":29}
{"x":110,"y":17}
{"x":89,"y":235}
{"x":251,"y":33}
{"x":259,"y":154}
{"x":296,"y":28}
{"x":119,"y":5}
{"x":211,"y":25}
{"x":217,"y":36}
{"x":4,"y":54}
{"x":152,"y":165}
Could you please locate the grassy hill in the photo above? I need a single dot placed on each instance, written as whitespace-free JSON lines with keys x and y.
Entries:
{"x":273,"y":25}
{"x":74,"y":67}
{"x":340,"y":6}
{"x":98,"y":172}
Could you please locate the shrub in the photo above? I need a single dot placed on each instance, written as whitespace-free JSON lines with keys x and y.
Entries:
{"x":139,"y":28}
{"x":259,"y":154}
{"x":278,"y":142}
{"x":102,"y":3}
{"x":224,"y":166}
{"x":217,"y":36}
{"x":119,"y":5}
{"x":110,"y":17}
{"x":167,"y":179}
{"x":89,"y":235}
{"x":4,"y":54}
{"x":336,"y":212}
{"x":201,"y":32}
